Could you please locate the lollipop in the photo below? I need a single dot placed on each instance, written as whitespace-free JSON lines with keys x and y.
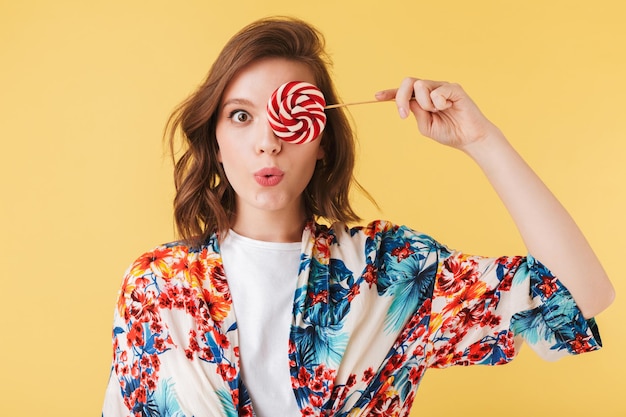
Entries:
{"x":296,"y":112}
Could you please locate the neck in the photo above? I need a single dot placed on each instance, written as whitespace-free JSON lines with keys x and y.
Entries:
{"x":270,"y":226}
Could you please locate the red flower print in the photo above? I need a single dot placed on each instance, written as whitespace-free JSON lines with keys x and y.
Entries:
{"x":386,"y":404}
{"x":371,"y":230}
{"x":142,"y":281}
{"x":320,"y":297}
{"x":193,"y":345}
{"x":187,"y":269}
{"x":403,"y":252}
{"x":221,"y":340}
{"x":227,"y":371}
{"x":206,"y":354}
{"x":490,"y":319}
{"x":156,"y":327}
{"x":134,"y":370}
{"x":392,"y":365}
{"x":316,"y":385}
{"x":370,"y":275}
{"x":460,"y":300}
{"x":315,"y":400}
{"x":457,"y":272}
{"x":580,"y":343}
{"x":235,"y":396}
{"x":307,"y":412}
{"x":478,"y":351}
{"x":414,"y":376}
{"x":246,"y":411}
{"x":197,"y":270}
{"x":218,"y":280}
{"x":418,"y":351}
{"x":507,"y":344}
{"x":506,"y":283}
{"x":142,"y":307}
{"x":376,"y":227}
{"x":368,"y":374}
{"x":155,"y":260}
{"x":321,"y":251}
{"x":180,"y":265}
{"x":125,"y":370}
{"x":354,"y":291}
{"x":548,"y":286}
{"x":145,"y":361}
{"x":329,"y":374}
{"x":470,"y":316}
{"x":191,"y":308}
{"x":135,"y":335}
{"x":150,"y":382}
{"x":156,"y":363}
{"x":140,"y":395}
{"x":165,"y":301}
{"x":218,"y":304}
{"x":303,"y":377}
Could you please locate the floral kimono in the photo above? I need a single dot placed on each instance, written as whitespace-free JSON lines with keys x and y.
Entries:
{"x":374,"y":308}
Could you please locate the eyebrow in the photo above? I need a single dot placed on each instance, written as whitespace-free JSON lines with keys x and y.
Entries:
{"x":237,"y":101}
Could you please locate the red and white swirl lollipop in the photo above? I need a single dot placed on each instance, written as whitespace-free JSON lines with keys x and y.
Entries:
{"x":296,"y":112}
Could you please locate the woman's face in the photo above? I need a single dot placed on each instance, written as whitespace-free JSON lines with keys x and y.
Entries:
{"x":267,"y":174}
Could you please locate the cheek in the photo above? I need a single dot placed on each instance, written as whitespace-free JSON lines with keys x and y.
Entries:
{"x":222,"y":145}
{"x":310,"y":164}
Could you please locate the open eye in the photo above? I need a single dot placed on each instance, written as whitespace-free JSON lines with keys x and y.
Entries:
{"x":239,"y":116}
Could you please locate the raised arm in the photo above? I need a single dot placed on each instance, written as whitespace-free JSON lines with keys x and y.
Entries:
{"x":445,"y":113}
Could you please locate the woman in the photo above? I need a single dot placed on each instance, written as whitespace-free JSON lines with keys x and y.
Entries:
{"x":259,"y":307}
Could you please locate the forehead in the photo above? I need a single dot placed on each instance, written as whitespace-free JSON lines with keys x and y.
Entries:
{"x":261,"y":78}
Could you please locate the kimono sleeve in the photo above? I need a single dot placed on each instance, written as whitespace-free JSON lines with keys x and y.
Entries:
{"x":484,"y":308}
{"x":139,"y":337}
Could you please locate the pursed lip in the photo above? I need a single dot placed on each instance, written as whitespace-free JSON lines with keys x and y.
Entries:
{"x":269,"y":176}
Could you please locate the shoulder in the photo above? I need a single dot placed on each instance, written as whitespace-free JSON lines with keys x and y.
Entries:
{"x":169,"y":259}
{"x":378,"y":230}
{"x":381,"y":238}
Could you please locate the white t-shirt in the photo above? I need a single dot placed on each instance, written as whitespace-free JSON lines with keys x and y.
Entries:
{"x":262,"y":279}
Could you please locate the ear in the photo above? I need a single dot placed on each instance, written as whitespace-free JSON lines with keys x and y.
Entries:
{"x":219,"y":155}
{"x":320,"y":151}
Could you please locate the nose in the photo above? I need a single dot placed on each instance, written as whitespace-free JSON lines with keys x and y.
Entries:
{"x":268,"y":142}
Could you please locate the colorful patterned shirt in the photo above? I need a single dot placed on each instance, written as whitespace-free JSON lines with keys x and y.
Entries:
{"x":374,"y":308}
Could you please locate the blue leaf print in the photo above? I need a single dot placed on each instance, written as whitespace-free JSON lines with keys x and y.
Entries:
{"x":409,"y":293}
{"x":227,"y":403}
{"x":316,"y":344}
{"x":531,"y":326}
{"x":165,"y":400}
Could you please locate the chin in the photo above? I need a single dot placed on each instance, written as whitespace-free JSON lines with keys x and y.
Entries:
{"x":276,"y":204}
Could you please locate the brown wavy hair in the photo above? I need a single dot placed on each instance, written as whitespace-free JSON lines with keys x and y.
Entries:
{"x":205,"y":201}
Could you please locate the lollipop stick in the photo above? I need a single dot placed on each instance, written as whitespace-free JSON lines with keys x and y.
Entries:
{"x":334,"y":106}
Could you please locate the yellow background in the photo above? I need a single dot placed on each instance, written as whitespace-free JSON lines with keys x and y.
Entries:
{"x":86,"y":87}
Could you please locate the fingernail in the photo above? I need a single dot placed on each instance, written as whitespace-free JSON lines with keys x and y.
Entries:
{"x":379,"y":94}
{"x":403,"y":112}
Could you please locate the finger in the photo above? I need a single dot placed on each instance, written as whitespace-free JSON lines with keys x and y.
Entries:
{"x":404,"y":95}
{"x":444,"y":96}
{"x":423,"y":90}
{"x":423,"y":117}
{"x":386,"y":95}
